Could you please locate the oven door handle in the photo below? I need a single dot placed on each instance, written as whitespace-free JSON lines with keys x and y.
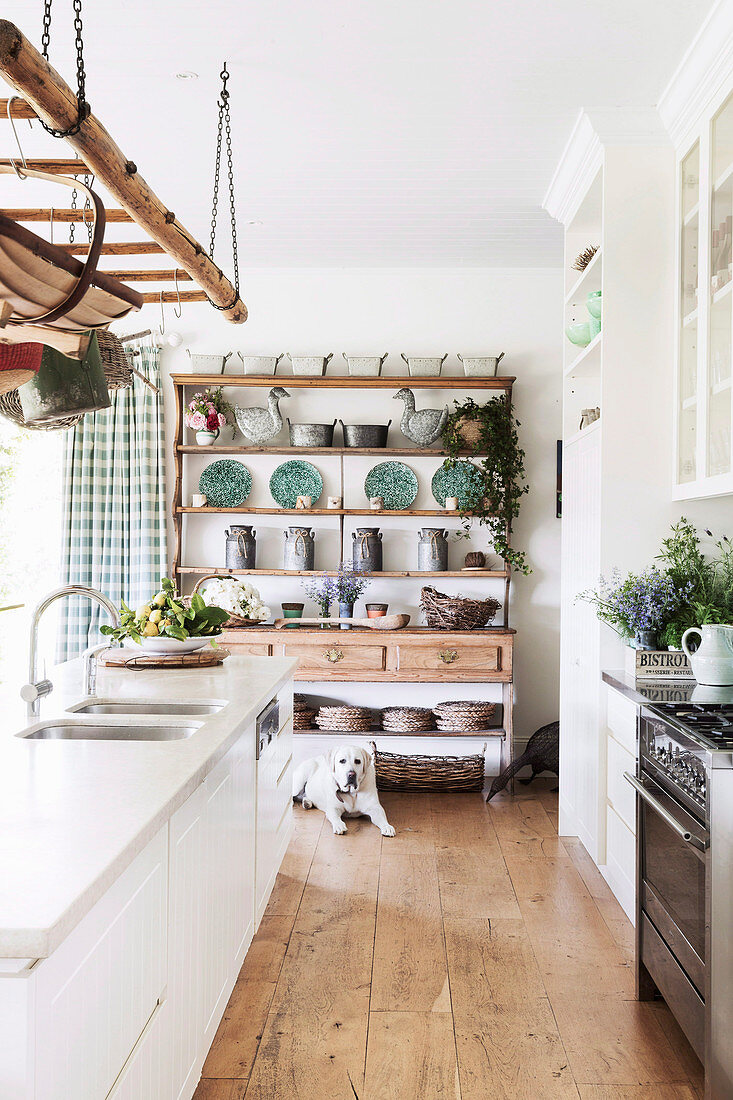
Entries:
{"x":664,"y":813}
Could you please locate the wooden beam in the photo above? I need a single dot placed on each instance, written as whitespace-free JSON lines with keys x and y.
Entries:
{"x":19,"y":109}
{"x":63,"y":214}
{"x":149,"y":276}
{"x":55,"y":103}
{"x":55,"y":167}
{"x":171,"y":296}
{"x":116,"y":248}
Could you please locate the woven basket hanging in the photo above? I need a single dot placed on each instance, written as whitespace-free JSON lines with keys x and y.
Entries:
{"x":117,"y":371}
{"x":397,"y":772}
{"x":114,"y":360}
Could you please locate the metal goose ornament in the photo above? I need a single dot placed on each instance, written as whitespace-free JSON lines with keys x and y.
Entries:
{"x":259,"y":424}
{"x":421,"y":426}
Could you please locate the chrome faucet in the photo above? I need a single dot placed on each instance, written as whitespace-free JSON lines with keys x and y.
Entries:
{"x":36,"y":689}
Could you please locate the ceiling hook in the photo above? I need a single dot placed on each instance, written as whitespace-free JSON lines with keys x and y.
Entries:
{"x":177,"y":310}
{"x":11,"y":120}
{"x":161,"y":326}
{"x":50,"y":222}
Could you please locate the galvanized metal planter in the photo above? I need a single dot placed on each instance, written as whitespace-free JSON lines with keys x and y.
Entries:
{"x":311,"y":435}
{"x":365,"y":435}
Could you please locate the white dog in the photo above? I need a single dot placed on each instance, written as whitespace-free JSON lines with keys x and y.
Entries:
{"x":341,"y":783}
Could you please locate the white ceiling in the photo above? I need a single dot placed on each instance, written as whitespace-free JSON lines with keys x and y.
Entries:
{"x":367,"y":132}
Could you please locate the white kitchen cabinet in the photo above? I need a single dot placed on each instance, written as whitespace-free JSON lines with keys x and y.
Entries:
{"x":96,"y":993}
{"x":127,"y":1006}
{"x":614,"y":188}
{"x":619,"y":867}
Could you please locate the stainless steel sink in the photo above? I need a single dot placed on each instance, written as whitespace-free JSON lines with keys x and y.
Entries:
{"x":147,"y":708}
{"x":83,"y":731}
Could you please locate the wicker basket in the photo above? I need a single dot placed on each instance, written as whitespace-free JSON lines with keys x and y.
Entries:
{"x":456,"y":612}
{"x":114,"y":360}
{"x":396,"y":772}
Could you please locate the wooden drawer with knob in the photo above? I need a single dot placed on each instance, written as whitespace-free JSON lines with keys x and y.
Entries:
{"x":334,"y":660}
{"x":450,"y":660}
{"x":415,"y":654}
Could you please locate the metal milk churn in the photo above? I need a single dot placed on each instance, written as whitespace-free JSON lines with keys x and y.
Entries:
{"x":300,"y":548}
{"x":241,"y":547}
{"x":366,"y":549}
{"x":432,"y":550}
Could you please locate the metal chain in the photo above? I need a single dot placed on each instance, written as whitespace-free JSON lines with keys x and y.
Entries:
{"x":72,"y":225}
{"x":82,"y":105}
{"x":225,"y":127}
{"x":88,"y":180}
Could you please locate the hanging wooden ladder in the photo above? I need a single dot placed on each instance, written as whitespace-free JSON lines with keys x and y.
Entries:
{"x":48,"y":97}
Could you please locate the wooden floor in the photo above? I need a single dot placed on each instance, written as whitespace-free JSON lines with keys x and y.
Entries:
{"x":476,"y":955}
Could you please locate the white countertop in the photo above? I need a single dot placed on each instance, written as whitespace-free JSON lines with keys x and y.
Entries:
{"x":74,"y":814}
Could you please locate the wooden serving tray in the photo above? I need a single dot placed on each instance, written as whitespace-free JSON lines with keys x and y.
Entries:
{"x":127,"y":658}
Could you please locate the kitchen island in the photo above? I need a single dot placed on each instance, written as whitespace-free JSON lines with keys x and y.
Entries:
{"x":133,"y":873}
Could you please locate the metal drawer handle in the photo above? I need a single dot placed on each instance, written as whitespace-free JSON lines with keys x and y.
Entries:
{"x":665,"y":815}
{"x":334,"y":655}
{"x":448,"y":656}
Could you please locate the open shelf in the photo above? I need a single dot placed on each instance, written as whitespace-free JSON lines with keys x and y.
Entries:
{"x":417,"y":452}
{"x":305,"y":512}
{"x":691,"y":214}
{"x":347,"y":382}
{"x":585,"y":362}
{"x":494,"y":732}
{"x":584,"y":432}
{"x":724,"y":291}
{"x":223,"y":572}
{"x":583,"y":277}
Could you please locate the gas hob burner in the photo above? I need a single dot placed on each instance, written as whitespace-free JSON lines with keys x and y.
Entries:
{"x":711,"y":723}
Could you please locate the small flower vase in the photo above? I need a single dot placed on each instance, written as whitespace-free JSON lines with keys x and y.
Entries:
{"x":346,"y":611}
{"x":206,"y":438}
{"x":325,"y":612}
{"x":645,"y":639}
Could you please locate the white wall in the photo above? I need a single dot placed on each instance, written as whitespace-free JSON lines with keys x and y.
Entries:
{"x":416,"y":311}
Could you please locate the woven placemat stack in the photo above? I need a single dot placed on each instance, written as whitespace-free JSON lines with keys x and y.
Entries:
{"x":303,"y":713}
{"x":407,"y":719}
{"x":345,"y":719}
{"x":463,"y":715}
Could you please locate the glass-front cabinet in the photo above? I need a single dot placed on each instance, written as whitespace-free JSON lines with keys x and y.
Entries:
{"x":704,"y":414}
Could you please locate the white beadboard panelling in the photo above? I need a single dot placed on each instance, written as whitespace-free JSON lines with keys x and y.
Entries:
{"x":146,"y":1075}
{"x":384,"y":134}
{"x":274,"y":823}
{"x":95,"y":994}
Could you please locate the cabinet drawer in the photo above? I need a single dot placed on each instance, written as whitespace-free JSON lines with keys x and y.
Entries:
{"x":336,"y":659}
{"x":251,"y":649}
{"x":451,"y":661}
{"x":620,"y":846}
{"x":620,"y":793}
{"x":621,"y":719}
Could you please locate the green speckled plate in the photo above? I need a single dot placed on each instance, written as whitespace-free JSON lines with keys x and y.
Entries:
{"x":461,"y":480}
{"x":226,"y":483}
{"x":295,"y":479}
{"x":393,"y":481}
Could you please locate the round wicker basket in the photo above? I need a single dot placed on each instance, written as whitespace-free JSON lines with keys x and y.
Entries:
{"x":398,"y":772}
{"x":444,"y":612}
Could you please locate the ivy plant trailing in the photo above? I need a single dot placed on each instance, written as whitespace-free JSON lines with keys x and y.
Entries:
{"x":496,"y":499}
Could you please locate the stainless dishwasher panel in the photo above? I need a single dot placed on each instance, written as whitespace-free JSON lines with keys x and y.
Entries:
{"x":268,"y":724}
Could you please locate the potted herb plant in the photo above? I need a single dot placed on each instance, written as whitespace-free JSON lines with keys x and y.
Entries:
{"x":636,"y":606}
{"x":489,"y":431}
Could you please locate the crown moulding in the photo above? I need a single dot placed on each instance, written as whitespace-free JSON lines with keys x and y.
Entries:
{"x":595,"y":129}
{"x":702,"y":78}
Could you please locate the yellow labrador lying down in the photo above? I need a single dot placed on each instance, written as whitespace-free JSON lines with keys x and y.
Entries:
{"x":342,"y":783}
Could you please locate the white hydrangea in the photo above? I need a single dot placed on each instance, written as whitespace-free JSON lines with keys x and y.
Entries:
{"x":236,"y":597}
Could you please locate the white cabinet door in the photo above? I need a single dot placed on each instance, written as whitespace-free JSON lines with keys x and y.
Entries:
{"x":96,"y":993}
{"x":187,"y":906}
{"x":229,"y":873}
{"x":146,"y":1075}
{"x":211,"y":905}
{"x":582,"y":786}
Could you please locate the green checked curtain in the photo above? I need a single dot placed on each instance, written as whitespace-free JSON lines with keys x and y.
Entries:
{"x":114,"y":536}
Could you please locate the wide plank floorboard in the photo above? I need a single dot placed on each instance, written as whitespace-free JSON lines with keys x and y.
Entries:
{"x":474,"y":955}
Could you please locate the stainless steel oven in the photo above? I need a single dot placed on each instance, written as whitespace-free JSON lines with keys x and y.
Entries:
{"x":684,"y":928}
